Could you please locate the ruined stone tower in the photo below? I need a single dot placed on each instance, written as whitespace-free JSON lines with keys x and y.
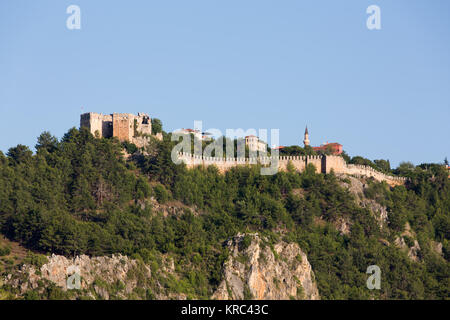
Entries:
{"x":124,"y":126}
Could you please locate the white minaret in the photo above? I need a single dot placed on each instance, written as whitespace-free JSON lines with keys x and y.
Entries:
{"x":306,"y":139}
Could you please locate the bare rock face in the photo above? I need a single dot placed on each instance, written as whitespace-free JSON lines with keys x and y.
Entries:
{"x":413,"y":249}
{"x":343,"y":225}
{"x":437,"y":247}
{"x":58,"y":269}
{"x":114,"y":268}
{"x":256,"y":270}
{"x":356,"y":187}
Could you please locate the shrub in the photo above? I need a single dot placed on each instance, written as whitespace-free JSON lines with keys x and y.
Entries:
{"x":5,"y":251}
{"x":161,"y":193}
{"x":37,"y":260}
{"x":246,"y":242}
{"x":129,"y":147}
{"x":32,"y":295}
{"x":247,"y":293}
{"x":409,"y":242}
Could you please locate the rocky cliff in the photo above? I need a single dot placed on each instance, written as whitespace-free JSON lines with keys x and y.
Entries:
{"x":255,"y":269}
{"x":115,"y":277}
{"x":258,"y":270}
{"x":357,"y":186}
{"x":97,"y":273}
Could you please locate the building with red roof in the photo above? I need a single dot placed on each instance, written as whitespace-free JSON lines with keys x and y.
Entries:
{"x":334,"y":147}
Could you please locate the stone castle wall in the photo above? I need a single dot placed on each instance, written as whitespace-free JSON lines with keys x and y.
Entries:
{"x":124,"y":126}
{"x":95,"y":122}
{"x":323,"y":164}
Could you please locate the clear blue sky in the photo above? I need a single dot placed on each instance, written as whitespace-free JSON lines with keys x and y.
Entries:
{"x":235,"y":64}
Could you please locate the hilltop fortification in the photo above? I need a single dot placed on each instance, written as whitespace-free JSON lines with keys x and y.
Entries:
{"x":124,"y":126}
{"x":322,"y":163}
{"x":137,"y":129}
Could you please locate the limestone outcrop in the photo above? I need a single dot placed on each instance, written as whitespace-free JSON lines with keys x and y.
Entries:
{"x":356,"y":187}
{"x":258,"y":270}
{"x":96,"y":273}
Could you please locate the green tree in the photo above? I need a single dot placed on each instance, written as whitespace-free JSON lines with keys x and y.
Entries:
{"x":345,"y":156}
{"x":383,"y":165}
{"x":405,"y":168}
{"x":19,"y":154}
{"x":156,"y":126}
{"x":46,"y":142}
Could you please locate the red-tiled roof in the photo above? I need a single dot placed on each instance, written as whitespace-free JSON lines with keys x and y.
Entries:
{"x":190,"y":130}
{"x":336,"y":147}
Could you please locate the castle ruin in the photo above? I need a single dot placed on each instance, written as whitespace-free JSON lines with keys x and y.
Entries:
{"x":124,"y":126}
{"x":137,"y":130}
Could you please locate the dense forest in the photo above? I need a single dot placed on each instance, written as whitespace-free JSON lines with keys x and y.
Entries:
{"x":80,"y":195}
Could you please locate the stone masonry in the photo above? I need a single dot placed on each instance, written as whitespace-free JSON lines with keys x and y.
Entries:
{"x":124,"y":126}
{"x":323,"y":164}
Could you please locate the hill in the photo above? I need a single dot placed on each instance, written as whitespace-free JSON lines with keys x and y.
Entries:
{"x":85,"y":197}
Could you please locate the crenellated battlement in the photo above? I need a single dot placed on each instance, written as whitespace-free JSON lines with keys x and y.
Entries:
{"x":323,"y":164}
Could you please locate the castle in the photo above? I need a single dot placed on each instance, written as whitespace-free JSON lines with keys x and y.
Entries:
{"x":137,"y":129}
{"x":323,"y":163}
{"x":124,"y":126}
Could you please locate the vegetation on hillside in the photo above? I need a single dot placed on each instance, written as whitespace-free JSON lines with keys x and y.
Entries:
{"x":79,"y":195}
